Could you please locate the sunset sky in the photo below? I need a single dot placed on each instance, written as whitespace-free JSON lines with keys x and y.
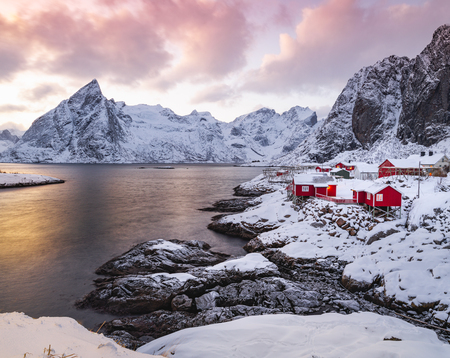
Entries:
{"x":227,"y":57}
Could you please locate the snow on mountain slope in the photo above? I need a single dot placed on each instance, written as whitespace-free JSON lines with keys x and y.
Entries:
{"x":262,"y":133}
{"x":7,"y":139}
{"x":89,"y":128}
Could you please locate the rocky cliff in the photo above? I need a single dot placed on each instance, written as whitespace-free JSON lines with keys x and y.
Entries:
{"x":394,"y":108}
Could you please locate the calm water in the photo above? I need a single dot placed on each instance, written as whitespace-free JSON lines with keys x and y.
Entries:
{"x":53,"y":237}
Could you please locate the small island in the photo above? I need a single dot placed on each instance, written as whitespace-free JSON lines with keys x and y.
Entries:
{"x":12,"y":180}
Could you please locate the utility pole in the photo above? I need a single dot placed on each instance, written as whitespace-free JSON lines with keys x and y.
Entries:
{"x":418,"y":186}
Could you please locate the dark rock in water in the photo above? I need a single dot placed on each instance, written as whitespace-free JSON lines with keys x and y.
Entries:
{"x":162,"y":256}
{"x":205,"y":295}
{"x":231,"y":205}
{"x":139,"y":294}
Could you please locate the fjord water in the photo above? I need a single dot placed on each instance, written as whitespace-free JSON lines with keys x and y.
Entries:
{"x":53,"y":237}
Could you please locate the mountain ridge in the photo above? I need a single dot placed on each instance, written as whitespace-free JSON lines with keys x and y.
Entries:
{"x":88,"y":128}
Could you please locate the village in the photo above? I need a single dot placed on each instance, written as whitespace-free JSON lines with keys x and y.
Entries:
{"x":381,"y":199}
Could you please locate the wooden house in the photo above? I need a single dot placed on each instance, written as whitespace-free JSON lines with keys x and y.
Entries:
{"x":381,"y":198}
{"x":345,"y":165}
{"x":432,"y":161}
{"x":398,"y":167}
{"x":305,"y":185}
{"x":338,"y":172}
{"x":365,"y":171}
{"x":359,"y":196}
{"x":323,"y":169}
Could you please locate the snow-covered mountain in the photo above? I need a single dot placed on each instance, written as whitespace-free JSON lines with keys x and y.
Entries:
{"x":88,"y":128}
{"x":394,"y":108}
{"x":7,"y":139}
{"x":267,"y":133}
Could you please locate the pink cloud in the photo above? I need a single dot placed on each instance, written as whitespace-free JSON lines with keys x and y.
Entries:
{"x":337,"y":38}
{"x":130,"y":40}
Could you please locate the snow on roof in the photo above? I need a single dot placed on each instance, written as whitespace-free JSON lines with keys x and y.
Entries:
{"x":312,"y":178}
{"x":335,"y":170}
{"x":366,"y":167}
{"x":404,"y":163}
{"x":374,"y":188}
{"x":427,"y":159}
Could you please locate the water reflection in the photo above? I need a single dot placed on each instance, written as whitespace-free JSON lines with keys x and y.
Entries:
{"x":52,"y":238}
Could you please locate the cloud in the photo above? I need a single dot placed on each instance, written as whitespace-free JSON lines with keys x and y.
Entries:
{"x":12,"y":45}
{"x":217,"y":93}
{"x":42,"y":91}
{"x":168,"y":40}
{"x":337,"y":38}
{"x":13,"y":125}
{"x":9,"y":108}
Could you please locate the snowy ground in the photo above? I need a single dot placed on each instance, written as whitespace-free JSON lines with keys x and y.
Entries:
{"x":16,"y":179}
{"x":409,"y":258}
{"x":24,"y":337}
{"x":330,"y":335}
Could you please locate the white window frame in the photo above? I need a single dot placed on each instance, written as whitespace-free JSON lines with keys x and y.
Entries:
{"x":368,"y":196}
{"x":305,"y":188}
{"x":379,"y":197}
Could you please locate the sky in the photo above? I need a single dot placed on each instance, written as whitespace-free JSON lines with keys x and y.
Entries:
{"x":227,"y":57}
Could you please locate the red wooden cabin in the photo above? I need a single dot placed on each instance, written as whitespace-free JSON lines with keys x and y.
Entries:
{"x":358,"y":196}
{"x":384,"y":195}
{"x":323,"y":169}
{"x":311,"y":185}
{"x":325,"y":190}
{"x":398,"y":167}
{"x":346,"y":166}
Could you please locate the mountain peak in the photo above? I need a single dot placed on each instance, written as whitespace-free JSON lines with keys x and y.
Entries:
{"x":87,"y":93}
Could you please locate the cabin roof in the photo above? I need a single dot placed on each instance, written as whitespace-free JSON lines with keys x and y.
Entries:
{"x":375,"y":188}
{"x":427,"y":159}
{"x":312,"y":179}
{"x":403,"y":163}
{"x":366,"y":167}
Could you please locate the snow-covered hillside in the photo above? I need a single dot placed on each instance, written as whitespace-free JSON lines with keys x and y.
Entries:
{"x":88,"y":128}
